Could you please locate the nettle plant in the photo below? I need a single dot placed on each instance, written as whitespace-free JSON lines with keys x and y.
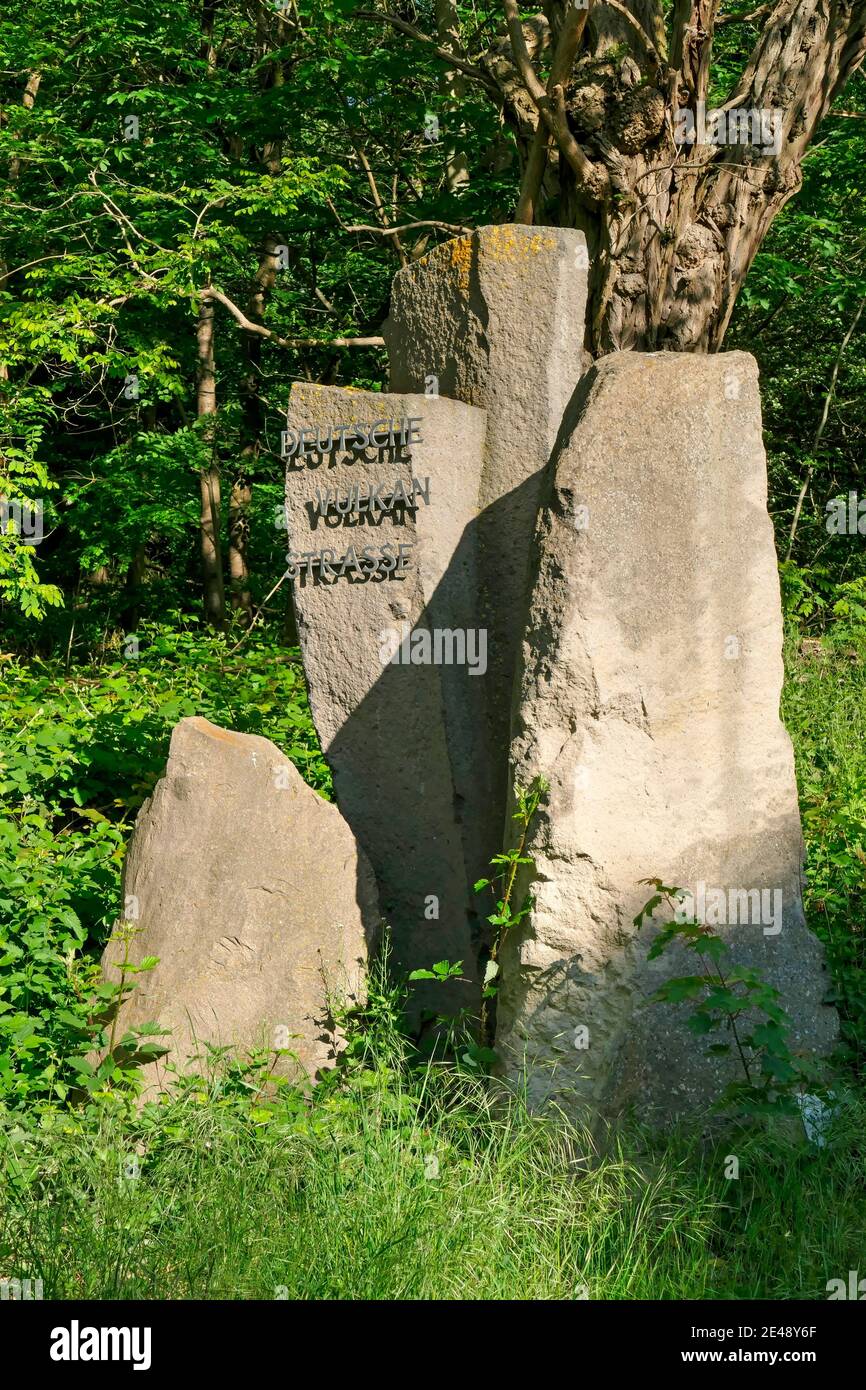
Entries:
{"x":735,"y":999}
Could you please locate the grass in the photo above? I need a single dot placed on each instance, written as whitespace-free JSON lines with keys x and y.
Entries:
{"x":423,"y":1191}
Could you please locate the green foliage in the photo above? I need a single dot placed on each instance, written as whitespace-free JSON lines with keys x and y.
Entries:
{"x":24,"y":483}
{"x":111,"y":230}
{"x":113,"y":1062}
{"x":54,"y":891}
{"x":824,"y":706}
{"x":802,"y":300}
{"x":274,"y":129}
{"x":442,"y":970}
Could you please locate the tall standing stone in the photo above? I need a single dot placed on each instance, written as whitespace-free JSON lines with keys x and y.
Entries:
{"x":381,"y":504}
{"x":497,"y":318}
{"x":649,"y":699}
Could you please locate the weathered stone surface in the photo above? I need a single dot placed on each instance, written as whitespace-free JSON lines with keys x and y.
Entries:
{"x":252,"y":892}
{"x":398,"y":737}
{"x":650,"y":700}
{"x":497,"y":318}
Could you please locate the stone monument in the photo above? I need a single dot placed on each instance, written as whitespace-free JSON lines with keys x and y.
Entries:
{"x":496,"y":318}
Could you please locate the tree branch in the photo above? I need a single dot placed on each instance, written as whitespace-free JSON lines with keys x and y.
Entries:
{"x":380,"y":206}
{"x":560,"y":69}
{"x":453,"y":227}
{"x":550,"y":109}
{"x":806,"y":52}
{"x":743,"y":18}
{"x":210,"y":292}
{"x":693,"y":28}
{"x":419,"y":36}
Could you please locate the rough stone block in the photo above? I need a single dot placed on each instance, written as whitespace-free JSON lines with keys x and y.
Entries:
{"x":649,"y":698}
{"x":251,"y":890}
{"x":497,"y":319}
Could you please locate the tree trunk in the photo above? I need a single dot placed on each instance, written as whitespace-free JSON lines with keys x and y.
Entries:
{"x":207,"y":51}
{"x":452,"y":85}
{"x":597,"y":100}
{"x":211,"y":544}
{"x":240,"y":500}
{"x":241,"y":494}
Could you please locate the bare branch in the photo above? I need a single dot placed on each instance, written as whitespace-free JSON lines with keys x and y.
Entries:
{"x":331,"y":308}
{"x":567,"y":45}
{"x":453,"y":227}
{"x":453,"y":59}
{"x":16,"y":270}
{"x":380,"y":206}
{"x":533,"y":176}
{"x":210,"y":292}
{"x":743,"y":18}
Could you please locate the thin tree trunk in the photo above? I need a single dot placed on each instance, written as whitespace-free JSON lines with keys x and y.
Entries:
{"x":28,"y":101}
{"x":211,"y":544}
{"x":452,"y":85}
{"x":240,"y":499}
{"x":208,"y":51}
{"x":241,"y":494}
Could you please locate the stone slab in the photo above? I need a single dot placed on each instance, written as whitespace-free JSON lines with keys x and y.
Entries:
{"x":397,"y":733}
{"x":496,"y":318}
{"x":649,"y":698}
